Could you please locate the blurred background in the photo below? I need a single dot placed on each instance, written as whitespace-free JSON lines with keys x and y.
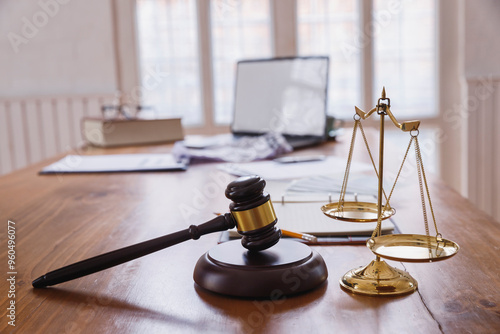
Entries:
{"x":61,"y":60}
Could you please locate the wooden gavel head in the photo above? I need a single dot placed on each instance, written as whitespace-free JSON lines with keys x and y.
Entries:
{"x":253,"y":212}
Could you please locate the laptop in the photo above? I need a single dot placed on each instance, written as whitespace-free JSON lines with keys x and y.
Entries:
{"x":282,"y":95}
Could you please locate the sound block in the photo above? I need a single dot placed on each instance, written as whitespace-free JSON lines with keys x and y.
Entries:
{"x":287,"y":268}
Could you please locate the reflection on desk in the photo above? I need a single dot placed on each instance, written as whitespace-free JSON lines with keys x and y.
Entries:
{"x":65,"y":218}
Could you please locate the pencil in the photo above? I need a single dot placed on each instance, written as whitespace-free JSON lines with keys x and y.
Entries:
{"x":303,"y":236}
{"x":298,"y":235}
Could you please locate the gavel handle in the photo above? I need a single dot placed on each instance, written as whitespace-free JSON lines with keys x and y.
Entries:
{"x":119,"y":256}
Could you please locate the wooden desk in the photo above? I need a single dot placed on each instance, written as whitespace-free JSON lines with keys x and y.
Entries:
{"x":62,"y":219}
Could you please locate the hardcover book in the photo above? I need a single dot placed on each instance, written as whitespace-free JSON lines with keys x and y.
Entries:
{"x":120,"y":132}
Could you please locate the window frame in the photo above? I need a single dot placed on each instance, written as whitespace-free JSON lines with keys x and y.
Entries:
{"x":284,"y":42}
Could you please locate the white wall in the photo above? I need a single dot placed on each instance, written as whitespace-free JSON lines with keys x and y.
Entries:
{"x":482,"y":38}
{"x":56,"y":47}
{"x":481,"y":114}
{"x":450,"y":94}
{"x":58,"y":63}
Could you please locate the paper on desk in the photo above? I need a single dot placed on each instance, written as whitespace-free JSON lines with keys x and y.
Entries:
{"x":308,"y":218}
{"x":271,"y":170}
{"x":322,"y":184}
{"x":114,"y":163}
{"x":228,"y":148}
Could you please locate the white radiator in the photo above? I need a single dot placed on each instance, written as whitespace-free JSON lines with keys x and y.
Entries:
{"x":33,"y":129}
{"x":483,"y":138}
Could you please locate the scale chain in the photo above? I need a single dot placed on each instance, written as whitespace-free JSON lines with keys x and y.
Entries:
{"x":371,"y":157}
{"x":379,"y":220}
{"x":348,"y":166}
{"x":422,"y":197}
{"x":419,"y":158}
{"x":343,"y":190}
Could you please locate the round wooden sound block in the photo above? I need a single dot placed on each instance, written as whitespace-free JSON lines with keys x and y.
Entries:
{"x":287,"y":268}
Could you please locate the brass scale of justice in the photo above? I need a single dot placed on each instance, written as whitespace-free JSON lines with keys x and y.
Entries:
{"x":379,"y":278}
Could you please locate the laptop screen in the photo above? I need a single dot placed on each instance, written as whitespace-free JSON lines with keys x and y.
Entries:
{"x":283,"y":95}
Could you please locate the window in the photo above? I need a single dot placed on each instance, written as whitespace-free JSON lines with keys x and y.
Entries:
{"x":405,"y":55}
{"x":330,"y":28}
{"x":240,"y":29}
{"x":169,"y":41}
{"x":168,"y":53}
{"x":370,"y":43}
{"x":403,"y":60}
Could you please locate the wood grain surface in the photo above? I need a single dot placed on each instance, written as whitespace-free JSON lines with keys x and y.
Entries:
{"x":61,"y":219}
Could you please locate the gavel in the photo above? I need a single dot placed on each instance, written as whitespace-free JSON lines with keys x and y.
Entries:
{"x":251,"y":211}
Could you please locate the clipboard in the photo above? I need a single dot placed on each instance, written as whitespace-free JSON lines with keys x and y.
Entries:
{"x":115,"y":163}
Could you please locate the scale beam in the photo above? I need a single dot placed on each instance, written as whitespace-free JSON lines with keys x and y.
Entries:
{"x":404,"y":126}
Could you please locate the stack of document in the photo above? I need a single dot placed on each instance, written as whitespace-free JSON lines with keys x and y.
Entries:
{"x":307,"y":217}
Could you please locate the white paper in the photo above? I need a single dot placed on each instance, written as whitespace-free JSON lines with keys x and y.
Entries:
{"x":307,"y":217}
{"x":114,"y":163}
{"x":357,"y":183}
{"x":271,"y":170}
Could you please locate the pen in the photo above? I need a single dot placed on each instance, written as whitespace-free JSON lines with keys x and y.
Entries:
{"x":306,"y":158}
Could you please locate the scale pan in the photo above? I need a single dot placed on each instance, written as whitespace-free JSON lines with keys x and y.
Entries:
{"x":412,"y":247}
{"x":357,"y":212}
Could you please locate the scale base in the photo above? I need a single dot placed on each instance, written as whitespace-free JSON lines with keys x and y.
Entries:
{"x":378,"y":279}
{"x":287,"y":268}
